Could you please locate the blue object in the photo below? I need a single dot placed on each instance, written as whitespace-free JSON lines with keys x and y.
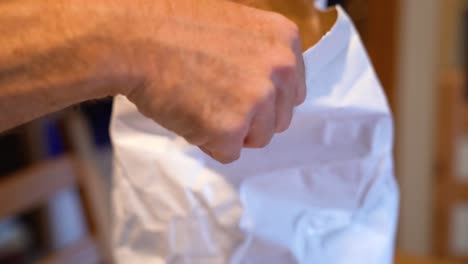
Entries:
{"x":54,"y":145}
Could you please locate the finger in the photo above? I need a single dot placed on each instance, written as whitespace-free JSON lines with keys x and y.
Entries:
{"x":301,"y":90}
{"x":285,"y":101}
{"x":206,"y":151}
{"x":263,"y":124}
{"x":286,"y":81}
{"x":226,"y":147}
{"x":226,"y":154}
{"x":194,"y":138}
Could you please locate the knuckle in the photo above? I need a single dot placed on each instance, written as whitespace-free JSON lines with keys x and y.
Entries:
{"x":280,"y":19}
{"x":194,"y":140}
{"x":262,"y":91}
{"x":265,"y":94}
{"x":226,"y":153}
{"x":267,"y":89}
{"x":283,"y":58}
{"x":287,"y":28}
{"x":229,"y":157}
{"x":284,"y":64}
{"x":263,"y":142}
{"x":231,"y":129}
{"x":284,"y":126}
{"x":259,"y":140}
{"x":289,"y":59}
{"x":293,"y":32}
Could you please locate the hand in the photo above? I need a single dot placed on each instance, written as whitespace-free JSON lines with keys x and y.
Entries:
{"x":312,"y":22}
{"x":222,"y":75}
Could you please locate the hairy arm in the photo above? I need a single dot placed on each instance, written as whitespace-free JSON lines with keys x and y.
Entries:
{"x":222,"y":75}
{"x":51,"y":56}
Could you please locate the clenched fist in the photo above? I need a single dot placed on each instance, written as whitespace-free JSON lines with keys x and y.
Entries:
{"x":220,"y":74}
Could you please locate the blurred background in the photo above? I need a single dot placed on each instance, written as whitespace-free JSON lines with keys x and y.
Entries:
{"x":55,"y":172}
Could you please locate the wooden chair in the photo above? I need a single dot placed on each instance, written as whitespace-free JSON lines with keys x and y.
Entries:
{"x":36,"y":185}
{"x":449,"y":190}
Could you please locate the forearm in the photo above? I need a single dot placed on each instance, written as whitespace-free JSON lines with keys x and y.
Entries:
{"x":51,"y":56}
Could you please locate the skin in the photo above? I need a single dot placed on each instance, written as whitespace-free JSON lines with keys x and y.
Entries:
{"x":220,"y":74}
{"x":312,"y":22}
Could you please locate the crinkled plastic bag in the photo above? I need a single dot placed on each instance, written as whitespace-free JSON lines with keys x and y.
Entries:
{"x":321,"y":192}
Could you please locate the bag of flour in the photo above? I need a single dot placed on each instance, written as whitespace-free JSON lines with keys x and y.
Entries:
{"x":322,"y":192}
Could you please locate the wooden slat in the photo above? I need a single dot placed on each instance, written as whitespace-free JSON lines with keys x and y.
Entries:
{"x":93,"y":193}
{"x":83,"y":251}
{"x":35,"y":185}
{"x":444,"y":169}
{"x":465,"y":114}
{"x":424,"y":260}
{"x":460,"y":192}
{"x":97,"y":213}
{"x":447,"y":190}
{"x":378,"y":24}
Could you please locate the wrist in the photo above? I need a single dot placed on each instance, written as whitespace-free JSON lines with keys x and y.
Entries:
{"x":95,"y":32}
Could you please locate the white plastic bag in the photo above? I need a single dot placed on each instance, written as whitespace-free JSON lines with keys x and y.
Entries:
{"x":322,"y":192}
